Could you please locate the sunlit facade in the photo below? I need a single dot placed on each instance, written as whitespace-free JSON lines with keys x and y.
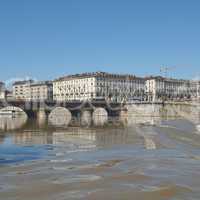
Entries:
{"x":2,"y":90}
{"x":98,"y":85}
{"x":41,"y":91}
{"x":160,"y":87}
{"x":33,"y":91}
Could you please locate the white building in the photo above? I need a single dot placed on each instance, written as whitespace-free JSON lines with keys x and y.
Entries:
{"x":158,"y":88}
{"x":33,"y":91}
{"x":154,"y":87}
{"x":98,"y":85}
{"x":2,"y":90}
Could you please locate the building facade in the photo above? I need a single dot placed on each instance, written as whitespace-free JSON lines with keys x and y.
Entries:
{"x":21,"y":90}
{"x":33,"y":91}
{"x":159,"y":88}
{"x":105,"y":86}
{"x":154,"y":87}
{"x":2,"y":90}
{"x":41,"y":91}
{"x":98,"y":85}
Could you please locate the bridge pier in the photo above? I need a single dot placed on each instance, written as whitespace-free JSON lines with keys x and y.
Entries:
{"x":60,"y":117}
{"x":123,"y":117}
{"x":99,"y":116}
{"x":41,"y":117}
{"x":86,"y":118}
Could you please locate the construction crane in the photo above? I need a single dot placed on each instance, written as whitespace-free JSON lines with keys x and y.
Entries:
{"x":165,"y":70}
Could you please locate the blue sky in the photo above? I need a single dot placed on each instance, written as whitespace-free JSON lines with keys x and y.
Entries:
{"x":45,"y":39}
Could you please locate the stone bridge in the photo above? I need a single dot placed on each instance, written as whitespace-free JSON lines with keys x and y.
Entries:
{"x":30,"y":107}
{"x":189,"y":111}
{"x":62,"y":112}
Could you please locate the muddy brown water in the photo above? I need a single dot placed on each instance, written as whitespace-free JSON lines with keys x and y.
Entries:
{"x":143,"y":161}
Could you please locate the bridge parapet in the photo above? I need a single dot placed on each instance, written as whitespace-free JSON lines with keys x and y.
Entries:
{"x":50,"y":105}
{"x":84,"y":110}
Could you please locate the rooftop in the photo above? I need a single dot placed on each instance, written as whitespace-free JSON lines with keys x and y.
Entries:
{"x":169,"y":79}
{"x":23,"y":82}
{"x":41,"y":83}
{"x":98,"y":74}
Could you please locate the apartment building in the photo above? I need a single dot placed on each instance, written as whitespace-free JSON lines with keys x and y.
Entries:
{"x":98,"y":85}
{"x":155,"y":87}
{"x":21,"y":89}
{"x":33,"y":91}
{"x":160,"y":87}
{"x":2,"y":90}
{"x":41,"y":91}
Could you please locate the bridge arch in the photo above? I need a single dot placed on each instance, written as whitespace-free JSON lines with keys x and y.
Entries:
{"x":60,"y":116}
{"x":12,"y":110}
{"x":100,"y":116}
{"x":12,"y":118}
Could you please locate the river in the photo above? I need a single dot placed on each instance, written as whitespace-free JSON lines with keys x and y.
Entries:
{"x":159,"y":160}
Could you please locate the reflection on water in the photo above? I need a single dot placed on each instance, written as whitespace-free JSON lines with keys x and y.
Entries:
{"x":148,"y":133}
{"x":12,"y":123}
{"x":134,"y":120}
{"x":148,"y":158}
{"x":71,"y":136}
